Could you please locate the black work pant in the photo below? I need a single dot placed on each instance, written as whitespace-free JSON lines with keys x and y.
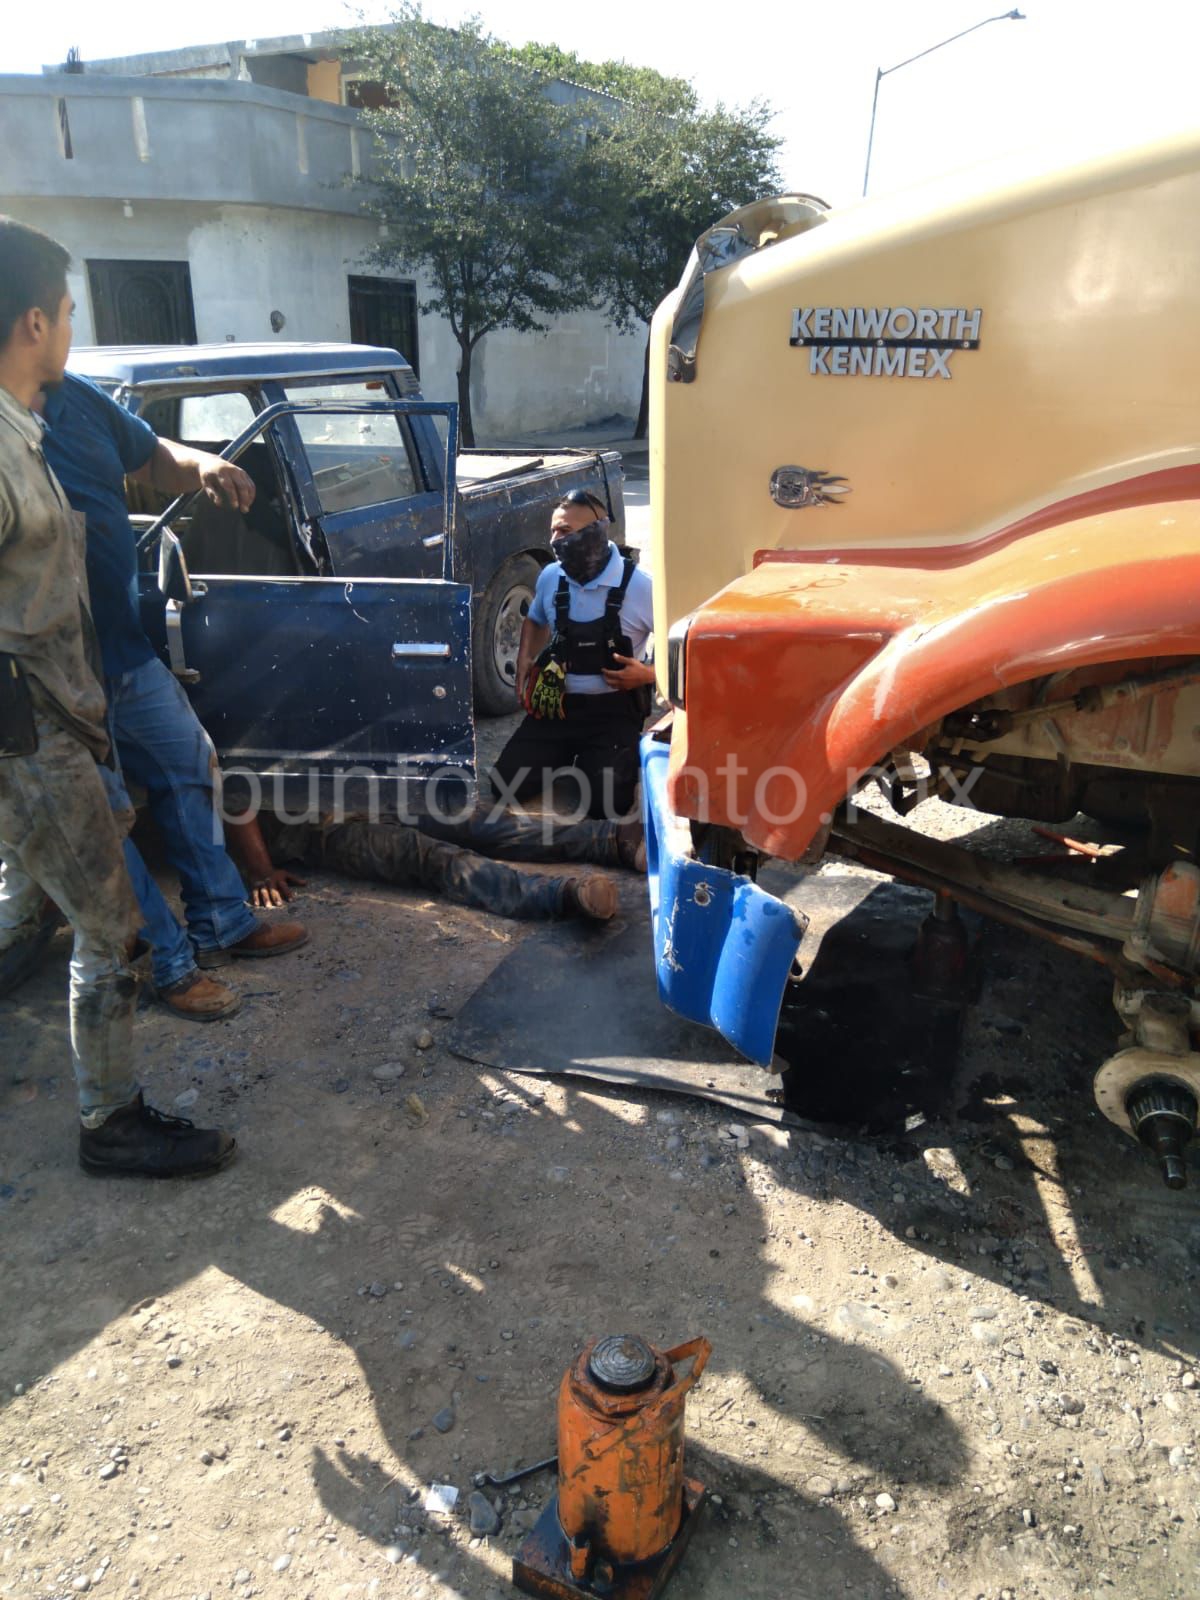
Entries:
{"x":391,"y":852}
{"x":506,"y":835}
{"x":597,"y":740}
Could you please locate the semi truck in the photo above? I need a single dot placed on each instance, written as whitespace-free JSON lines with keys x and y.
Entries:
{"x":925,"y":486}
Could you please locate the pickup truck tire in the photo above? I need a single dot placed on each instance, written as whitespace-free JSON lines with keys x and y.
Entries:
{"x":502,"y":609}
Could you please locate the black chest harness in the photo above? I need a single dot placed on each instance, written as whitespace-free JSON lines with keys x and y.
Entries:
{"x":590,"y":647}
{"x":586,"y":648}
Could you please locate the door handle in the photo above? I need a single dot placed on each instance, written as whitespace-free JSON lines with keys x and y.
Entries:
{"x":432,"y":541}
{"x":422,"y":652}
{"x":175,"y":655}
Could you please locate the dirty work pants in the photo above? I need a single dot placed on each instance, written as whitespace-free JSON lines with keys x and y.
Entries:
{"x":505,"y":835}
{"x":392,"y":852}
{"x":156,"y":734}
{"x":596,"y":742}
{"x":161,"y":746}
{"x":56,"y":828}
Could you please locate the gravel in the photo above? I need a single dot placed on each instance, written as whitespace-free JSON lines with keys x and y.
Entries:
{"x":484,"y":1518}
{"x":389,"y":1072}
{"x":833,"y":1281}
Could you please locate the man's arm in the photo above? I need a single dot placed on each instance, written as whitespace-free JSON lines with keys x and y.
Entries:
{"x":639,"y":609}
{"x":175,"y":469}
{"x":534,"y":639}
{"x":269,"y":885}
{"x":629,"y":675}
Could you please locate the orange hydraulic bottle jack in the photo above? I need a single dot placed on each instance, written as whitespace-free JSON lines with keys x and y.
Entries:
{"x":623,"y":1513}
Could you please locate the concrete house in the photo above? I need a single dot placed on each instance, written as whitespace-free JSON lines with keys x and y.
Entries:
{"x":201,"y":194}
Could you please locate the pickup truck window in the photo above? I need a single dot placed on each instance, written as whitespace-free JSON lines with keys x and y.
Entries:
{"x":355,"y":461}
{"x":218,"y":539}
{"x":207,"y":421}
{"x":214,"y":417}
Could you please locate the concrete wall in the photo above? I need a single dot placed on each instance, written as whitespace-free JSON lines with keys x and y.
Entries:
{"x":245,"y":183}
{"x":179,"y":139}
{"x":249,"y":260}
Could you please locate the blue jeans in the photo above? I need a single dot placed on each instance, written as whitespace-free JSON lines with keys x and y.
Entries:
{"x":161,"y":746}
{"x":172,"y":956}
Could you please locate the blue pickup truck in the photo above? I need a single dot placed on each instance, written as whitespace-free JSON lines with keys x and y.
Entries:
{"x":370,"y":601}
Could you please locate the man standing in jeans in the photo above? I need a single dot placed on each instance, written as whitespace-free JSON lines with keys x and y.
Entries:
{"x":91,"y":443}
{"x":57,"y":830}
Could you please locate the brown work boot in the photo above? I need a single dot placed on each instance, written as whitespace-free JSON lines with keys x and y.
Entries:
{"x":594,"y":897}
{"x":631,"y":845}
{"x":268,"y":939}
{"x":200,"y":999}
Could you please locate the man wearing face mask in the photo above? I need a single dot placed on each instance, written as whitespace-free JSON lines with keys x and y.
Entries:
{"x":581,"y":672}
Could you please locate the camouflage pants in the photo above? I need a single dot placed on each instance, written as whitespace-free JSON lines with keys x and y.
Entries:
{"x":392,"y":852}
{"x":56,"y":828}
{"x":506,"y":835}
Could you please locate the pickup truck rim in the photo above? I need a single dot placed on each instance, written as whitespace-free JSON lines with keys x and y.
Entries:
{"x":506,"y":636}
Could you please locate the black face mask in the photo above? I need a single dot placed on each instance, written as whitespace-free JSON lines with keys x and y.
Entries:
{"x":583,"y":553}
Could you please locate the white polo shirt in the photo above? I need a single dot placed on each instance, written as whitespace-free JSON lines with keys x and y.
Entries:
{"x":586,"y":604}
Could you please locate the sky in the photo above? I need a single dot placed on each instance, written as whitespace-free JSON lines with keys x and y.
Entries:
{"x":1073,"y":74}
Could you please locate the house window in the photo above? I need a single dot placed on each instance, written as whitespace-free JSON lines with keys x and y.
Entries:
{"x":383,"y":311}
{"x":364,"y":94}
{"x":142,"y":302}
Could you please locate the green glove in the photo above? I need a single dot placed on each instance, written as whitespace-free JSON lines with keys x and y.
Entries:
{"x":547,"y":692}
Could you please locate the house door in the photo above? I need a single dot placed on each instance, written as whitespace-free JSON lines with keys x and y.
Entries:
{"x":142,"y":302}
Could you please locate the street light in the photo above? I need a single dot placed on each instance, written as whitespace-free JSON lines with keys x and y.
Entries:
{"x":882,"y":72}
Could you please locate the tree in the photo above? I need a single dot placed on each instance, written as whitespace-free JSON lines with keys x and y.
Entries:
{"x":656,"y":181}
{"x":476,"y":181}
{"x":640,"y":85}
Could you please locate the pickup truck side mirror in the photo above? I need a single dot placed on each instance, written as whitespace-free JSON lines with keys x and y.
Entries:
{"x":173,"y":579}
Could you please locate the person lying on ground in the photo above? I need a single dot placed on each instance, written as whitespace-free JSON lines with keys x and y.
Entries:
{"x":456,"y":859}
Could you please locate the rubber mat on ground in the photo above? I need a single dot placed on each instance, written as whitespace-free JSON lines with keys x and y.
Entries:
{"x":582,"y":1002}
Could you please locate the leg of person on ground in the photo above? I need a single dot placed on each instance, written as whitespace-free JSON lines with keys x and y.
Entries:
{"x":390,"y":852}
{"x":506,"y":835}
{"x":57,"y":829}
{"x":163,"y":747}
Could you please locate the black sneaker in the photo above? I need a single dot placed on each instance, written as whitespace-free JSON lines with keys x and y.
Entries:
{"x":21,"y":961}
{"x":140,"y":1142}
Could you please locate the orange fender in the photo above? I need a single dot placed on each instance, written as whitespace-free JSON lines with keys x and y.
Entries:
{"x":809,"y":670}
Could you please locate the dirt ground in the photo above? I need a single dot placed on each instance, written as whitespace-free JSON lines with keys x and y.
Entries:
{"x":957,"y":1360}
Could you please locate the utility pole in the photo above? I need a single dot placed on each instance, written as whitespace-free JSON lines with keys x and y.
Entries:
{"x":883,"y":72}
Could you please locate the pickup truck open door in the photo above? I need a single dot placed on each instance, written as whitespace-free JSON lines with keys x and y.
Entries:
{"x":319,"y":688}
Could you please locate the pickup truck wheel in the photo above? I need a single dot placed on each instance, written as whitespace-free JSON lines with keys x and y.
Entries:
{"x":498,"y":618}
